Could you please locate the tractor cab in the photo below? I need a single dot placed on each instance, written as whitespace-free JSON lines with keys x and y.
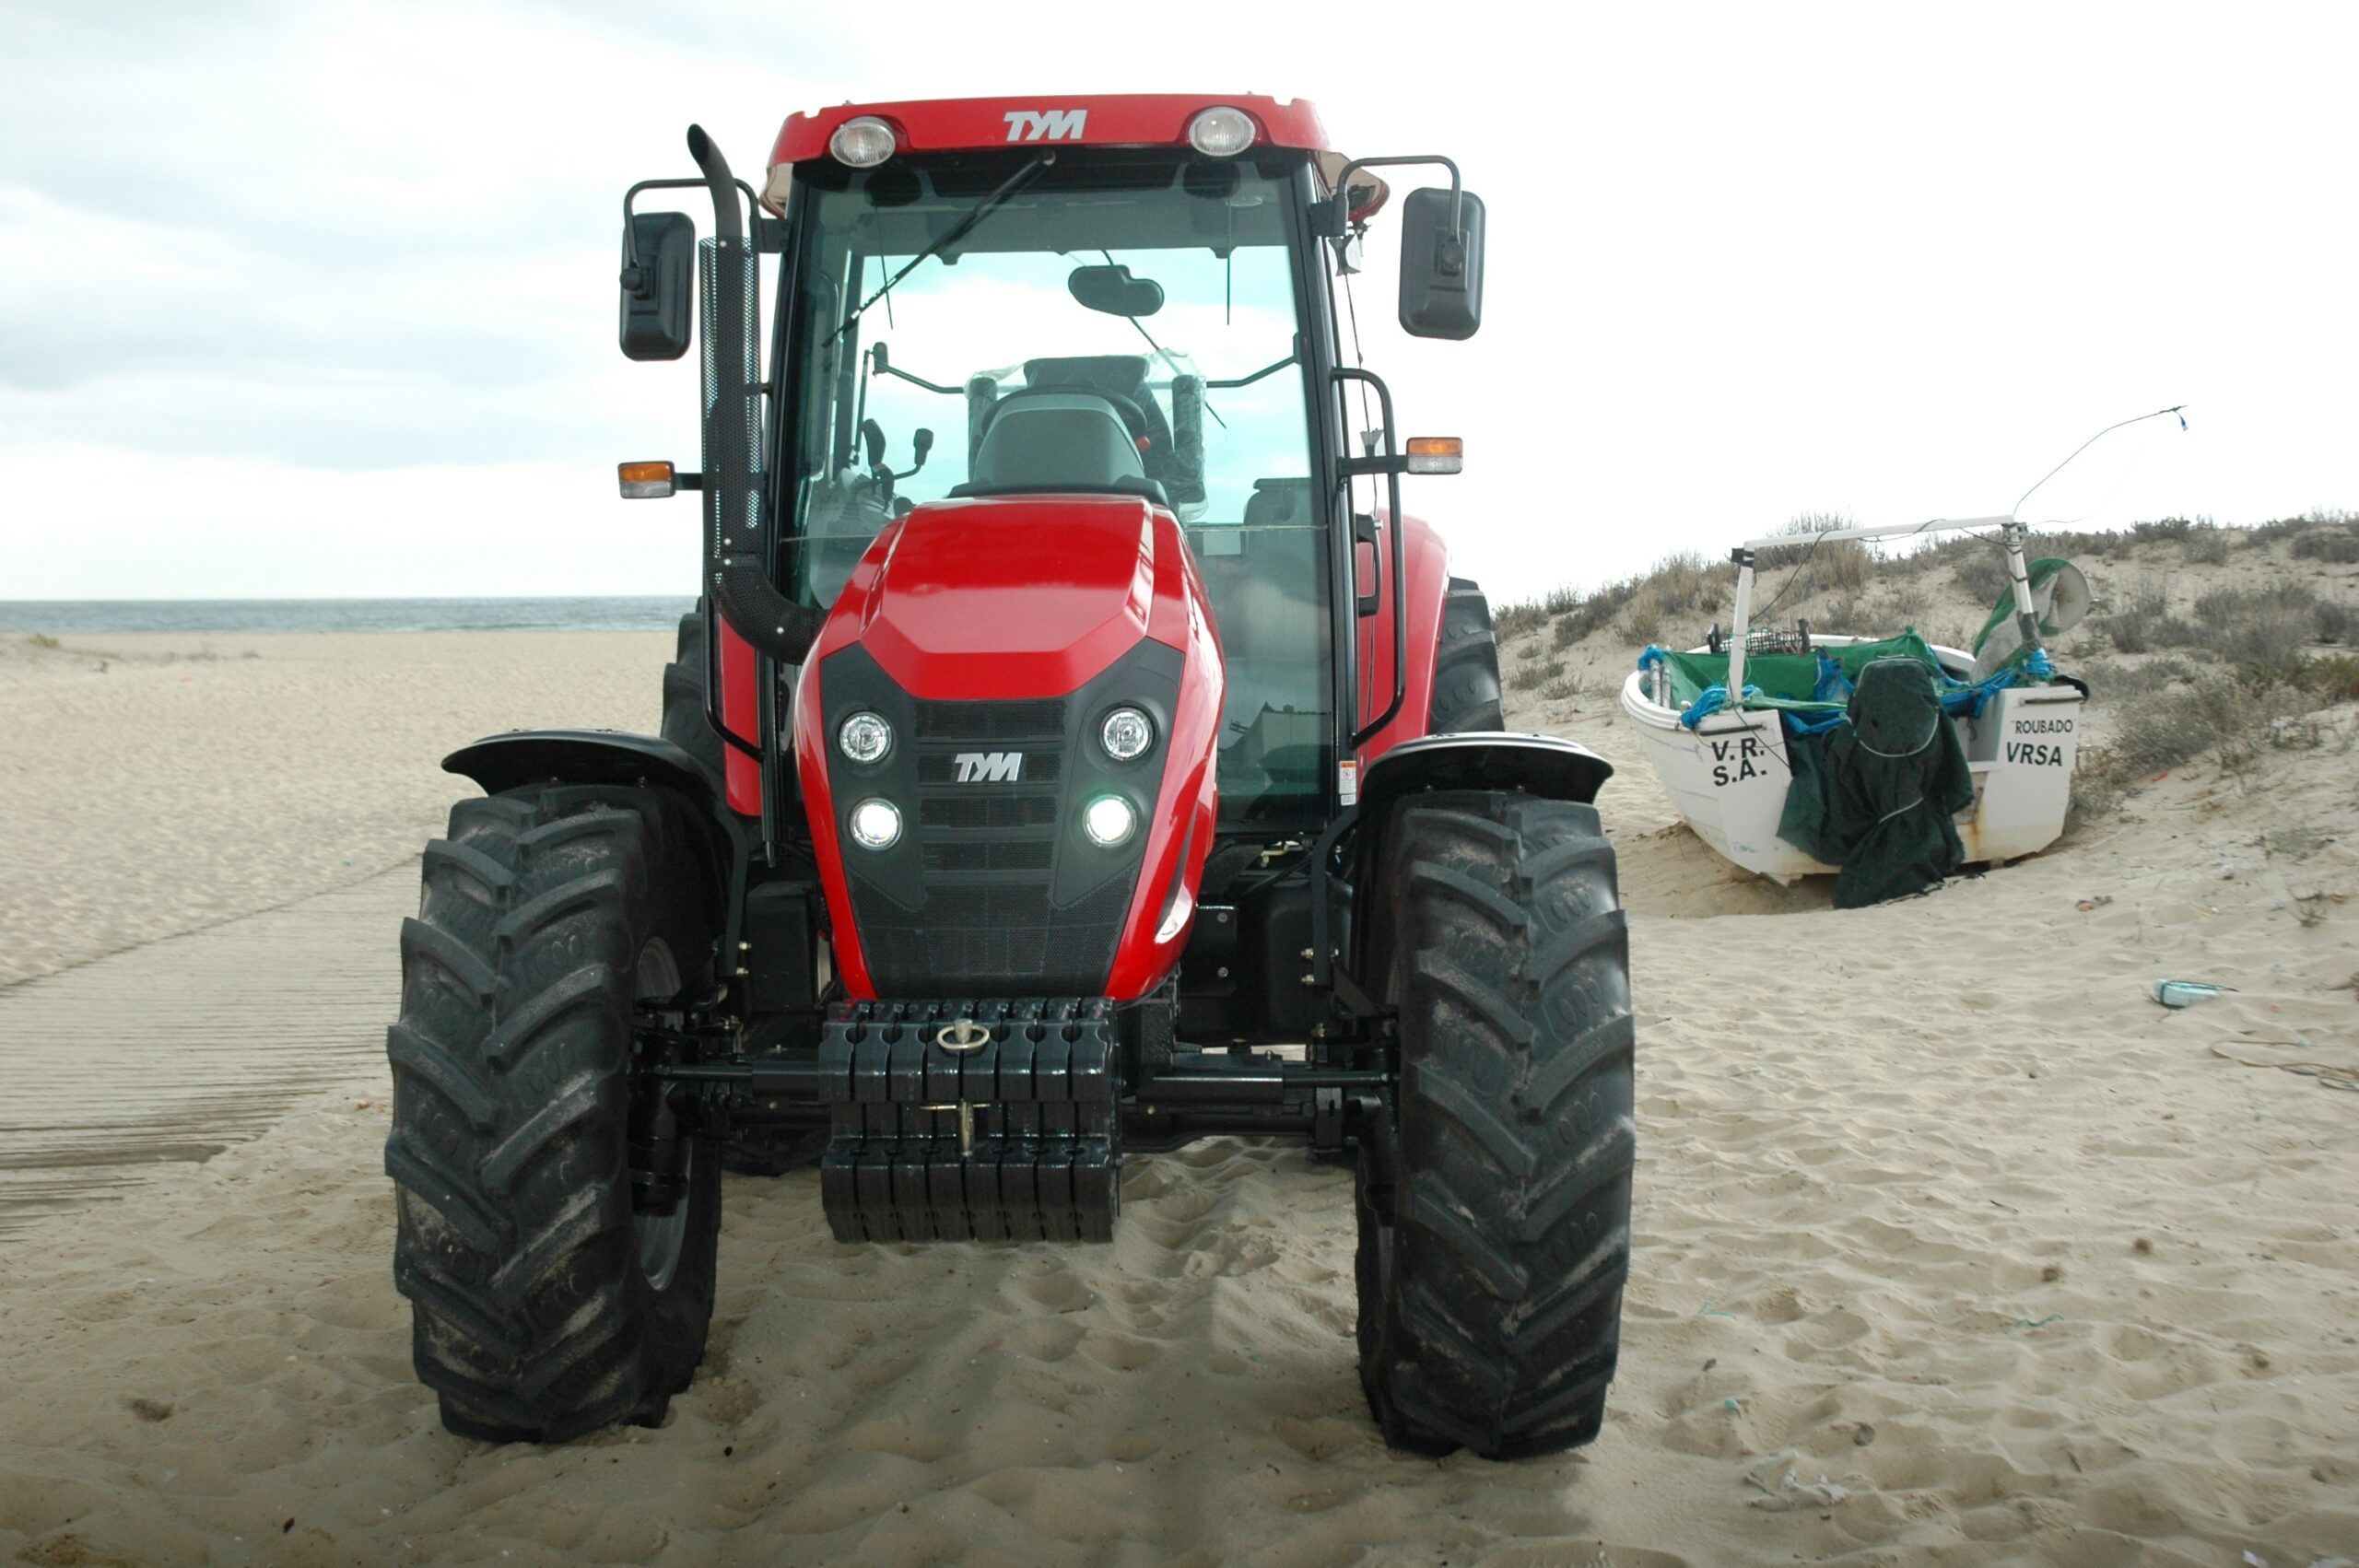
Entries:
{"x":1077,"y":752}
{"x":1107,"y":320}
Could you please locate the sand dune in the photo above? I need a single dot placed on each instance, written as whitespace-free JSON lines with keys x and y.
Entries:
{"x":1953,"y":1246}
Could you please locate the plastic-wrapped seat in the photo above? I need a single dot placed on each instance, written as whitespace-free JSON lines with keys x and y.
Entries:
{"x":1050,"y":441}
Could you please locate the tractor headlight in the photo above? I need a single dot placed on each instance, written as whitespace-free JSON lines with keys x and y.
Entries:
{"x":1126,"y":734}
{"x":1221,"y":131}
{"x":864,"y":737}
{"x":875,"y":824}
{"x":862,"y":142}
{"x":1109,"y":820}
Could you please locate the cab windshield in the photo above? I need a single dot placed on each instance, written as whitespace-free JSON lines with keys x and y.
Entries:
{"x":1147,"y":303}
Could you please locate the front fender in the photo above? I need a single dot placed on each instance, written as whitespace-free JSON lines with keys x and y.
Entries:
{"x":1544,"y":765}
{"x":1547,"y":766}
{"x":587,"y":757}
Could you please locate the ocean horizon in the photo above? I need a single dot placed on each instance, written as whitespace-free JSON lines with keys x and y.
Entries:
{"x":612,"y":613}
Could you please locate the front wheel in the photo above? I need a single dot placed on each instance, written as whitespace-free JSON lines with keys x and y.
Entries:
{"x":546,"y":1300}
{"x":1495,"y":1209}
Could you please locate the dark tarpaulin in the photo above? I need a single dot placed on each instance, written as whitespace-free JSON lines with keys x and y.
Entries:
{"x":1878,"y":796}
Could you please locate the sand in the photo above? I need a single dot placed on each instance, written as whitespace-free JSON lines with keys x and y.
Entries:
{"x":154,"y":783}
{"x":1952,"y":1246}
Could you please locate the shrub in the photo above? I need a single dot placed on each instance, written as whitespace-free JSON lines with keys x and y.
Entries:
{"x":1562,"y":690}
{"x":2333,"y":620}
{"x":2111,"y":681}
{"x":2207,"y":546}
{"x":2334,"y":677}
{"x":2223,"y":607}
{"x":1590,"y":614}
{"x":2267,"y":639}
{"x":41,"y":639}
{"x":2074,"y":542}
{"x":2335,"y":547}
{"x":1682,"y":585}
{"x":1841,"y":615}
{"x":1983,"y":575}
{"x":1529,"y":615}
{"x":2143,"y":622}
{"x":2163,"y":729}
{"x":2262,"y":628}
{"x":1535,"y":673}
{"x":1844,"y":566}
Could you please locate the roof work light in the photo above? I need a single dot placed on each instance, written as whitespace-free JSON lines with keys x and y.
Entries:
{"x":862,"y":142}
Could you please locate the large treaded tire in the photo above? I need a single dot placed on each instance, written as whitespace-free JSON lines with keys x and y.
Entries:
{"x":542,"y":1308}
{"x":1467,"y":693}
{"x":685,"y":725}
{"x":1494,"y":1213}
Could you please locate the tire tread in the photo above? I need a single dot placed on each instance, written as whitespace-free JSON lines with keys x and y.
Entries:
{"x":531,"y":1318}
{"x":1492,"y":1271}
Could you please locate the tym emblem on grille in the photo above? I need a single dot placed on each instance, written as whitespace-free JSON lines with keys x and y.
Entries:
{"x":989,"y":767}
{"x":1046,"y":125}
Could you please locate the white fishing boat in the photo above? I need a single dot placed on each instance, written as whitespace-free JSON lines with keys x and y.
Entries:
{"x":1728,"y":768}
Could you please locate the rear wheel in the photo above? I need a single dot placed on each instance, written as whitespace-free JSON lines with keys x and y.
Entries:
{"x":685,"y":723}
{"x":1466,"y":669}
{"x":544,"y":1303}
{"x":1495,"y":1212}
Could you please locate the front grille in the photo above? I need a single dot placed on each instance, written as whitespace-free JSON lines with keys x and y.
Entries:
{"x":987,"y":809}
{"x":993,"y":891}
{"x":989,"y":843}
{"x":986,"y":855}
{"x":996,"y":722}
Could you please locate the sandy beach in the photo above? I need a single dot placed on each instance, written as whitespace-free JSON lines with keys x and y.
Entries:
{"x":1952,"y":1246}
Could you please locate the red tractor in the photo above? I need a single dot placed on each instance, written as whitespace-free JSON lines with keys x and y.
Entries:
{"x":1114,"y":773}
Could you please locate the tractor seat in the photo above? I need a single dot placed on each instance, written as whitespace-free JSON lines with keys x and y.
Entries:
{"x":1058,"y":441}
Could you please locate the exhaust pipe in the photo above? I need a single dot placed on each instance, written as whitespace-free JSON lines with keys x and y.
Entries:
{"x":737,"y":545}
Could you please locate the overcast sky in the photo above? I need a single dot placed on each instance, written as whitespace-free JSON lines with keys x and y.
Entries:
{"x":319,"y":299}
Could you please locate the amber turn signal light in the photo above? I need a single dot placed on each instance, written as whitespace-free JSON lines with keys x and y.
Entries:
{"x":1436,"y":454}
{"x":645,"y":481}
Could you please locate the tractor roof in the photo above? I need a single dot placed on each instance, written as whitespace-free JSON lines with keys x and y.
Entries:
{"x":1102,"y":120}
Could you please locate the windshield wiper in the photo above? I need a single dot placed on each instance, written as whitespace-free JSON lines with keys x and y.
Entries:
{"x":958,"y":231}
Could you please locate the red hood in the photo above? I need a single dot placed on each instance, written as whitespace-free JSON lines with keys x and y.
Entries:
{"x":1008,"y":596}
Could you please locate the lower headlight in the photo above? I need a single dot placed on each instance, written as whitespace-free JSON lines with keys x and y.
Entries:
{"x":875,"y":824}
{"x":1109,"y":820}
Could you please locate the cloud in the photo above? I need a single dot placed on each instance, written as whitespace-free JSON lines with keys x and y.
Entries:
{"x":344,"y":261}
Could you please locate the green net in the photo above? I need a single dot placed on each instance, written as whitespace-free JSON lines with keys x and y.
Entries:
{"x":1787,"y":680}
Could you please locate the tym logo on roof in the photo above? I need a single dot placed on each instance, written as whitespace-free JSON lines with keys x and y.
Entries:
{"x":1046,"y":125}
{"x":989,"y":767}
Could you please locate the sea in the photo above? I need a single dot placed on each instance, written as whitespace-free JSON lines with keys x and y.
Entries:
{"x":67,"y":616}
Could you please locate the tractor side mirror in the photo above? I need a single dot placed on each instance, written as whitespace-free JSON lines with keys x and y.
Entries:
{"x":658,"y":283}
{"x":922,"y":442}
{"x":871,"y":436}
{"x":1441,"y":268}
